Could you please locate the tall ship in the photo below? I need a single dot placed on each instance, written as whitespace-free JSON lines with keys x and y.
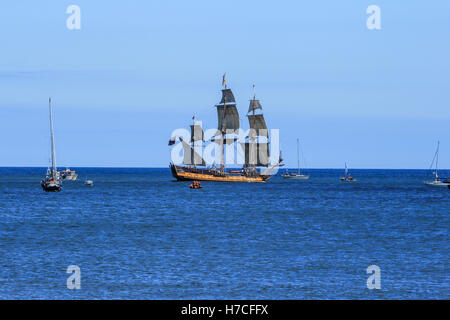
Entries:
{"x":52,"y":181}
{"x":255,"y":146}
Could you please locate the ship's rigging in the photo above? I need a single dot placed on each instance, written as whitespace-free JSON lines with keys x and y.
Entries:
{"x":255,"y":146}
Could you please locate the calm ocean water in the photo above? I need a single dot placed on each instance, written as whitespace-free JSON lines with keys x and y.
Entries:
{"x":138,"y":235}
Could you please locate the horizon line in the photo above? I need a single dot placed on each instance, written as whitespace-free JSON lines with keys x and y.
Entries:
{"x":280,"y":169}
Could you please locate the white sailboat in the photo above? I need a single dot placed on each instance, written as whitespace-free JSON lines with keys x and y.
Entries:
{"x":437,"y":182}
{"x":347,"y":177}
{"x":52,"y":180}
{"x":298,"y":175}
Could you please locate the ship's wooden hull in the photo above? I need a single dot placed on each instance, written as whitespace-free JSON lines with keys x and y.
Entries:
{"x":187,"y":174}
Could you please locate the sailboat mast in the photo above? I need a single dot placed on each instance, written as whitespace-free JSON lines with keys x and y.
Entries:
{"x":252,"y":138}
{"x":298,"y":157}
{"x":224,"y":125}
{"x":254,"y":98}
{"x":193,"y":141}
{"x":222,"y":158}
{"x":437,"y":160}
{"x":52,"y":138}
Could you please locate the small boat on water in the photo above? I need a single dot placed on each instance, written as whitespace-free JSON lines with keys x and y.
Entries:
{"x":68,"y":174}
{"x":296,"y":176}
{"x":89,"y":183}
{"x":347,"y":177}
{"x":195,"y":185}
{"x":438,"y":181}
{"x":52,"y":181}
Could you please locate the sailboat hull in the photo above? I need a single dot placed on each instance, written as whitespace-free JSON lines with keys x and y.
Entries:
{"x":51,"y":187}
{"x":296,"y":177}
{"x":192,"y":174}
{"x":438,"y":184}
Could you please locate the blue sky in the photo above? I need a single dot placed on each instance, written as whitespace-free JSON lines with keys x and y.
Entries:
{"x":139,"y":69}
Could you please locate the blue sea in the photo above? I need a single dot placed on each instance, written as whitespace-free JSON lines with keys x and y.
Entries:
{"x":137,"y":234}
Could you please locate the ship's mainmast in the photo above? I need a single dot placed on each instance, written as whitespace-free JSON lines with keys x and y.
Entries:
{"x":224,"y":125}
{"x":52,"y":140}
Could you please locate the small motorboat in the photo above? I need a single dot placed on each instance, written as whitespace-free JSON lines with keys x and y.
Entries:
{"x":69,"y":175}
{"x":195,"y":185}
{"x":89,"y":183}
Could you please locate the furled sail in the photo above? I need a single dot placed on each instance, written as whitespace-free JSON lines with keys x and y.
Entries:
{"x":258,"y":124}
{"x":256,"y":154}
{"x":190,"y":156}
{"x":197,"y":133}
{"x":254,"y":104}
